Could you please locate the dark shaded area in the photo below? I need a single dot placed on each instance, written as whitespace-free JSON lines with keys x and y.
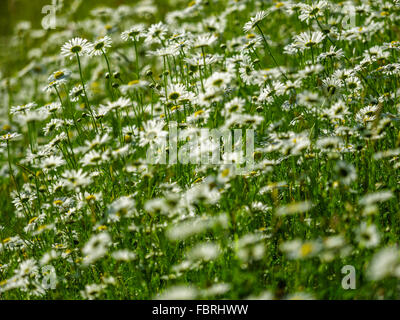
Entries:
{"x":12,"y":11}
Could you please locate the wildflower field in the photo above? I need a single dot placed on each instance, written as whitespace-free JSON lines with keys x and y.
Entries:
{"x":111,"y":186}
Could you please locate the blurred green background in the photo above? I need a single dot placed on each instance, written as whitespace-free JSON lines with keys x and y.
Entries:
{"x":12,"y":11}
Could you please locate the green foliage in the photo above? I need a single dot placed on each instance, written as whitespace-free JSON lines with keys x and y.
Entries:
{"x":83,"y":208}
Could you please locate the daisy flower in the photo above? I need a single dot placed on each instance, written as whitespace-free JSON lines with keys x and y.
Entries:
{"x":367,"y":235}
{"x":100,"y":46}
{"x":308,"y":99}
{"x":235,"y":105}
{"x":74,"y":179}
{"x":384,"y":263}
{"x":53,"y":107}
{"x":198,"y":60}
{"x":93,"y":158}
{"x":306,"y":40}
{"x":52,"y":162}
{"x":121,"y":103}
{"x":156,"y":33}
{"x":308,"y":12}
{"x":96,"y":247}
{"x":59,"y":77}
{"x":10,"y":136}
{"x":98,"y":141}
{"x":133,"y":33}
{"x":122,"y":206}
{"x":133,"y":85}
{"x":346,"y":172}
{"x":76,"y":92}
{"x":76,"y":46}
{"x":52,"y":126}
{"x":254,"y":21}
{"x":152,"y":133}
{"x":205,"y":41}
{"x":23,"y":108}
{"x":123,"y":255}
{"x":218,"y":80}
{"x":353,"y":84}
{"x":176,"y":92}
{"x":333,"y":53}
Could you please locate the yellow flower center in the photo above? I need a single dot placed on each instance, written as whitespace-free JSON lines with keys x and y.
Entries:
{"x":197,"y":113}
{"x":306,"y":249}
{"x":32,"y":220}
{"x":58,"y":75}
{"x":131,"y":83}
{"x":90,"y":197}
{"x":225,"y":173}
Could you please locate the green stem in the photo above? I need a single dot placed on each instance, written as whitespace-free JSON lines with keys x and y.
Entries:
{"x":109,"y":72}
{"x":136,"y":58}
{"x":13,"y":178}
{"x":84,"y":91}
{"x":269,"y":51}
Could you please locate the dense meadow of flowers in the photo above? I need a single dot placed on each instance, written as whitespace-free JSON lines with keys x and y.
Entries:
{"x":85,"y":215}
